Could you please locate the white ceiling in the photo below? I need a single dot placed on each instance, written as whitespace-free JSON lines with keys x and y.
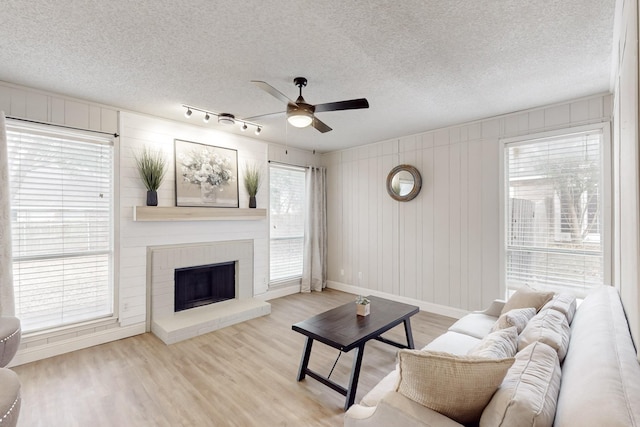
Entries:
{"x":422,"y":64}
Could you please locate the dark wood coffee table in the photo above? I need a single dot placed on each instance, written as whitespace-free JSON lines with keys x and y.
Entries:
{"x":343,"y":329}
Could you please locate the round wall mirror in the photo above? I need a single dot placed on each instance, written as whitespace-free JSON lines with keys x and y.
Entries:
{"x":404,"y":183}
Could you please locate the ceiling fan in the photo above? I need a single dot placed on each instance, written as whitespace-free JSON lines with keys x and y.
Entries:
{"x":301,"y":114}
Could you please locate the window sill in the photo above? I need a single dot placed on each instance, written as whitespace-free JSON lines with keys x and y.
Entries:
{"x":172,"y":213}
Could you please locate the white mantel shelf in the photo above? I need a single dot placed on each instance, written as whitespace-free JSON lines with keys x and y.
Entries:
{"x":172,"y":213}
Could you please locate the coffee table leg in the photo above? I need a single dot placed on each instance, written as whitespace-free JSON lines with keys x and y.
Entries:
{"x":355,"y":374}
{"x":304,"y":362}
{"x":407,"y":331}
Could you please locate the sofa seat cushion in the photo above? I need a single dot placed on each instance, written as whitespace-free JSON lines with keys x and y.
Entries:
{"x":550,"y":327}
{"x":456,"y":386}
{"x":387,"y":384}
{"x":477,"y":325}
{"x":453,"y":343}
{"x":528,"y":394}
{"x":601,"y":374}
{"x":564,"y":303}
{"x":497,"y":345}
{"x":9,"y":397}
{"x":518,"y":317}
{"x":527,"y":297}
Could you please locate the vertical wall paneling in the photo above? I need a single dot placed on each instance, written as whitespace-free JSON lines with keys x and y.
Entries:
{"x":443,"y":247}
{"x":626,"y":158}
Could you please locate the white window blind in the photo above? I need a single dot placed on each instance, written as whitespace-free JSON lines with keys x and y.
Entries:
{"x":287,"y":192}
{"x":554,"y":215}
{"x":61,"y":211}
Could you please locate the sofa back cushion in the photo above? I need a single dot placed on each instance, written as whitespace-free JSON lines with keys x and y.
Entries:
{"x":550,"y":327}
{"x":456,"y":386}
{"x":518,"y":317}
{"x":564,"y":303}
{"x":600,"y":375}
{"x":499,"y":344}
{"x":528,"y":394}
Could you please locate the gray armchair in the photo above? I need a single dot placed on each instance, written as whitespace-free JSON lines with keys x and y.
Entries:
{"x":10,"y":399}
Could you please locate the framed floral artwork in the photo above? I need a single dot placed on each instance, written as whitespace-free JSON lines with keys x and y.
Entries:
{"x":206,"y":175}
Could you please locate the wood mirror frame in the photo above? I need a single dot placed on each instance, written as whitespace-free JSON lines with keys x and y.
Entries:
{"x":417,"y":183}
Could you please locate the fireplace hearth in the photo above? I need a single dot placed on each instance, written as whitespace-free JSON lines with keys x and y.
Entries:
{"x":205,"y":284}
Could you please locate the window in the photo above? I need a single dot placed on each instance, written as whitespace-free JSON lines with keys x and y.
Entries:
{"x":287,"y":195}
{"x":62,"y":226}
{"x":554,"y":212}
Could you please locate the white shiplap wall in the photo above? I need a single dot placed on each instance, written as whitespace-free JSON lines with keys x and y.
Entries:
{"x":440,"y":250}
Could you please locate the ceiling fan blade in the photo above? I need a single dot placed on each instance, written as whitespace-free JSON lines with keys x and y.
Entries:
{"x":263,"y":116}
{"x":273,"y":91}
{"x":320,"y":125}
{"x":352,"y":104}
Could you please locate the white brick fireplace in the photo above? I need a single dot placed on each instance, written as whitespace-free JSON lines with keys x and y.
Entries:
{"x":162,"y":261}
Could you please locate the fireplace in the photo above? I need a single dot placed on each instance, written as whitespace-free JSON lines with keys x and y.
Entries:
{"x":204,"y":284}
{"x":163,"y":261}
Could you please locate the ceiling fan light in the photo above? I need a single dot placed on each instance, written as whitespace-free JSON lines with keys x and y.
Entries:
{"x":299,"y":119}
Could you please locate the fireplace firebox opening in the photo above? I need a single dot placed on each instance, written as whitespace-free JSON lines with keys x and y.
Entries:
{"x":204,"y":284}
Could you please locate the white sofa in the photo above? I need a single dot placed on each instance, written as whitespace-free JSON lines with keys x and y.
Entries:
{"x":599,"y":377}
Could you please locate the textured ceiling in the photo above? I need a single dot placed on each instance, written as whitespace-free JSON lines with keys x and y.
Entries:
{"x":422,"y":64}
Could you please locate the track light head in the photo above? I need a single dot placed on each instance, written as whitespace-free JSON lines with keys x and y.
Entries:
{"x":207,"y":117}
{"x":226,"y":119}
{"x":258,"y":130}
{"x":244,"y":127}
{"x":188,"y":113}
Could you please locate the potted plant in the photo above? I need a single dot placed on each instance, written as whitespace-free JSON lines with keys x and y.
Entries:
{"x":152,"y":166}
{"x":363,"y":306}
{"x":252,"y":181}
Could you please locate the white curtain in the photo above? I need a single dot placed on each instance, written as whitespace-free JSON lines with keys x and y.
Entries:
{"x":314,"y":267}
{"x":7,"y":307}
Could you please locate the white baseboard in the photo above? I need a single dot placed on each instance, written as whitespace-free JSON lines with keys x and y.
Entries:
{"x":442,"y":310}
{"x":31,"y":354}
{"x":279,"y":292}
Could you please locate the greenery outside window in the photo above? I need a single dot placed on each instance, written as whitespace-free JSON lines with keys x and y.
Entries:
{"x":62,"y":225}
{"x":286,"y":216}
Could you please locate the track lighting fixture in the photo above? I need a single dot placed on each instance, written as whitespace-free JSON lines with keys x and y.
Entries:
{"x":223,"y":118}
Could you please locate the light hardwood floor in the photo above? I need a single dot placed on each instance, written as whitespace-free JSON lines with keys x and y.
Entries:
{"x":243,"y":375}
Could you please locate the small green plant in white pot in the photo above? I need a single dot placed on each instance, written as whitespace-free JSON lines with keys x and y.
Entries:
{"x":252,"y":182}
{"x":152,"y":167}
{"x":363,"y":306}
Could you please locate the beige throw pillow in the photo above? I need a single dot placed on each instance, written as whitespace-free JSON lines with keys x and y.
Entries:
{"x":518,"y":317}
{"x":550,"y":327}
{"x":529,"y":393}
{"x":500,"y":344}
{"x":527,"y":297}
{"x":456,"y":386}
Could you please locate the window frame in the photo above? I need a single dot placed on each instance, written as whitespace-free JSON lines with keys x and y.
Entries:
{"x":606,"y":201}
{"x":88,"y":135}
{"x":292,"y":280}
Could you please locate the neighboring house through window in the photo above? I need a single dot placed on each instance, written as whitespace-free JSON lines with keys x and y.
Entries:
{"x":555,"y":233}
{"x":62,"y":225}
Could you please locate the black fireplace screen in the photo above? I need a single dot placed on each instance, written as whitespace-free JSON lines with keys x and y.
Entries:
{"x":204,"y":284}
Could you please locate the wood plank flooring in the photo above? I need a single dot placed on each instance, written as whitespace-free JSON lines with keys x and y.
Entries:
{"x":243,"y":375}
